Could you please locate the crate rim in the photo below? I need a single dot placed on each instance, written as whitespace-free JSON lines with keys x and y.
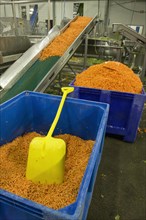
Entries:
{"x":70,"y":99}
{"x":130,"y":94}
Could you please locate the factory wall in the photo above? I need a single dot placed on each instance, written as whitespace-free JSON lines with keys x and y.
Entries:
{"x":128,"y":13}
{"x":44,"y":11}
{"x":61,"y":11}
{"x":6,"y":11}
{"x":120,"y":11}
{"x":90,"y":9}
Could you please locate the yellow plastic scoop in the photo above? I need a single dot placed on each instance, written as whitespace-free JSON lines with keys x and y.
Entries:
{"x":46,"y":155}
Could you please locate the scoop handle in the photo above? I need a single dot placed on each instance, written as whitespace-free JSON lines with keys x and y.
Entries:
{"x":66,"y":91}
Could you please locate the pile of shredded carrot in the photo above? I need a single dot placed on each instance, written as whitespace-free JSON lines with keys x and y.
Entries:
{"x":13,"y":160}
{"x":142,"y":130}
{"x":110,"y":75}
{"x":60,"y":44}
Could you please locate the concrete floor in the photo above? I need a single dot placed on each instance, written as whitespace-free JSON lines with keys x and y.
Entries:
{"x":120,"y":187}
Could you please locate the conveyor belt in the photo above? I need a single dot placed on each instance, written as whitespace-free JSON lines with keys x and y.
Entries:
{"x":31,"y":78}
{"x":41,"y":74}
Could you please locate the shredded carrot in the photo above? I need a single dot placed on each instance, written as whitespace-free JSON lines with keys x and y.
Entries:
{"x":13,"y":160}
{"x":140,"y":130}
{"x":110,"y":75}
{"x":60,"y":44}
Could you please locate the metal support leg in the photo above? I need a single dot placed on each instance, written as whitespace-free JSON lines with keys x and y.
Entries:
{"x":49,"y":6}
{"x":71,"y":69}
{"x":119,"y":55}
{"x":86,"y":50}
{"x":5,"y":11}
{"x":143,"y":68}
{"x":54,"y":13}
{"x":14,"y":17}
{"x":60,"y":80}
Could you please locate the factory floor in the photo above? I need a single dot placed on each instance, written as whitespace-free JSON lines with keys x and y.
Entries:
{"x":120,"y":187}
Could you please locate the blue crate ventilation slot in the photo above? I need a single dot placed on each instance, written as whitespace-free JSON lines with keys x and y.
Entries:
{"x":30,"y":111}
{"x":125,"y":109}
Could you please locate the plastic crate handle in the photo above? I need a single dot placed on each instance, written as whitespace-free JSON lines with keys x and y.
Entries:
{"x":145,"y":97}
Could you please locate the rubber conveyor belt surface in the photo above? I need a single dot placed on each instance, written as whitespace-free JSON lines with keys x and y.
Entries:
{"x":31,"y":78}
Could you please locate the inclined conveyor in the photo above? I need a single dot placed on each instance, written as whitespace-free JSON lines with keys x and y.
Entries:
{"x":29,"y":73}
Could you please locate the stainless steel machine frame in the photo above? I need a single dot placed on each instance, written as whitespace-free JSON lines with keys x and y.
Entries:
{"x":139,"y":39}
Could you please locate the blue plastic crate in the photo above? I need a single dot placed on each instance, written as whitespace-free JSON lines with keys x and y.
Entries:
{"x":32,"y":111}
{"x":125,"y":109}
